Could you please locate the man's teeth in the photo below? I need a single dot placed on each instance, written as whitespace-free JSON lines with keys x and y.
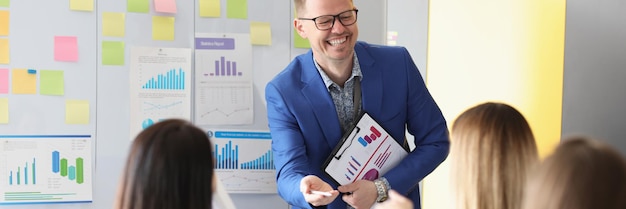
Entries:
{"x":337,"y":41}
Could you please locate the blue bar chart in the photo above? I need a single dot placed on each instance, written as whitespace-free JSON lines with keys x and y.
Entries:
{"x":171,"y":80}
{"x":265,"y":162}
{"x":21,"y":175}
{"x":228,"y":156}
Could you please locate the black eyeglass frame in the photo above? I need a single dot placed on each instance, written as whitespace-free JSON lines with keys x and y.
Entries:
{"x":335,"y":17}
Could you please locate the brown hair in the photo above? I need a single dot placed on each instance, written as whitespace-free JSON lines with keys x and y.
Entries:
{"x":492,"y":150}
{"x":581,"y":174}
{"x":299,"y":5}
{"x":169,"y":166}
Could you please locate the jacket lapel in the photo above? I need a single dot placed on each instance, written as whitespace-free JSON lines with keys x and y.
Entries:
{"x":372,"y":82}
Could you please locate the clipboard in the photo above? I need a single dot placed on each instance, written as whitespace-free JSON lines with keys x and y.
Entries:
{"x":366,"y":152}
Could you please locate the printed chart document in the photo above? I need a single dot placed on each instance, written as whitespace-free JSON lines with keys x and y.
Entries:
{"x":367,"y":152}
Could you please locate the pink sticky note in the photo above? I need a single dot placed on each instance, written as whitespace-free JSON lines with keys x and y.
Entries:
{"x":65,"y":48}
{"x":165,"y":6}
{"x":4,"y":81}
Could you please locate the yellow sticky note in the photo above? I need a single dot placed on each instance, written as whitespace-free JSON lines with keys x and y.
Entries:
{"x":4,"y":51}
{"x":4,"y":23}
{"x":209,"y":8}
{"x":4,"y":3}
{"x":139,"y":6}
{"x":162,"y":28}
{"x":300,"y":42}
{"x":260,"y":33}
{"x":51,"y":82}
{"x":165,"y":6}
{"x":4,"y":110}
{"x":81,"y":5}
{"x":113,"y":53}
{"x":77,"y":112}
{"x":24,"y":81}
{"x":113,"y":24}
{"x":237,"y":9}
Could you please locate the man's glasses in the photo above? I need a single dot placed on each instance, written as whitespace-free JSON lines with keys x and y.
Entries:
{"x":326,"y":22}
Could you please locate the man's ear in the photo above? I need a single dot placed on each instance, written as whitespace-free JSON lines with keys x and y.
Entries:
{"x":297,"y":24}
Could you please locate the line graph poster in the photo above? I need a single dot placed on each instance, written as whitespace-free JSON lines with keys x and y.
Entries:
{"x":45,"y":169}
{"x":160,"y":86}
{"x":244,"y":161}
{"x":223,"y":79}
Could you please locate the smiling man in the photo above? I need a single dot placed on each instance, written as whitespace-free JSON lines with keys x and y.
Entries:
{"x":321,"y":94}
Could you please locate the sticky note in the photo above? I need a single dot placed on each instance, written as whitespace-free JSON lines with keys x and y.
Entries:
{"x":165,"y":6}
{"x":4,"y":51}
{"x":162,"y":28}
{"x":237,"y":9}
{"x":4,"y":23}
{"x":76,"y":111}
{"x":81,"y":5}
{"x":138,"y":6}
{"x":113,"y":24}
{"x":51,"y":82}
{"x":260,"y":33}
{"x":4,"y":81}
{"x":209,"y":8}
{"x":23,"y":82}
{"x":113,"y":53}
{"x":4,"y":3}
{"x":300,"y":42}
{"x":66,"y":48}
{"x":4,"y":110}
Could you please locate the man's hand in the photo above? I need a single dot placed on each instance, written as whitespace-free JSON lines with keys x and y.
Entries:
{"x":313,"y":183}
{"x":362,"y":194}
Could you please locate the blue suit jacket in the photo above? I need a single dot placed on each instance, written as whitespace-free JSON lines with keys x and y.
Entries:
{"x":305,"y":127}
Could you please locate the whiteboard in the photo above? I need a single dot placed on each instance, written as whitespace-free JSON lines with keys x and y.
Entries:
{"x":33,"y":25}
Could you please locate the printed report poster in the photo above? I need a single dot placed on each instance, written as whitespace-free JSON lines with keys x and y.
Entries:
{"x":160,"y":86}
{"x":223,"y":79}
{"x":244,"y":161}
{"x":38,"y":169}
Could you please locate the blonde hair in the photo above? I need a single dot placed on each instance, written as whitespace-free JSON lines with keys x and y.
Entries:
{"x":299,"y":5}
{"x":581,"y":174}
{"x":492,"y":150}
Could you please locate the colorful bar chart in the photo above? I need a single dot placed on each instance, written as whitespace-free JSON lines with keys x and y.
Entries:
{"x":61,"y":167}
{"x":171,"y":80}
{"x":225,"y":67}
{"x":21,"y":175}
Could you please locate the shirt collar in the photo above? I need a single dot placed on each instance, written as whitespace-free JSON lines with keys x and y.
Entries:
{"x":356,"y":71}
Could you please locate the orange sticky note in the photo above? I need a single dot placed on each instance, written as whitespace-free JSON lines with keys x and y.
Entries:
{"x":4,"y":23}
{"x":4,"y":51}
{"x":65,"y":48}
{"x":23,"y":82}
{"x":166,"y":6}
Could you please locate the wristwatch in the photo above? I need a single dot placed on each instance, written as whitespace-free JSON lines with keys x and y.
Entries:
{"x":382,"y":188}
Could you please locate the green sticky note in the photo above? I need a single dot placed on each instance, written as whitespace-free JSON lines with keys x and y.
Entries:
{"x":163,"y":28}
{"x":300,"y":42}
{"x":112,"y":53}
{"x":139,"y":6}
{"x":209,"y":8}
{"x":237,"y":9}
{"x":51,"y":82}
{"x":4,"y":3}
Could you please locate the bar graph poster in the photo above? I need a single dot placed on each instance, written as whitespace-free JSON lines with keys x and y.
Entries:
{"x":223,"y":79}
{"x":160,"y":81}
{"x":244,"y":161}
{"x":45,"y":169}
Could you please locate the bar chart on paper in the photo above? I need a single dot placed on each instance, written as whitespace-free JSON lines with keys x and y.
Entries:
{"x":244,"y":161}
{"x":173,"y":79}
{"x":225,"y":67}
{"x":45,"y":169}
